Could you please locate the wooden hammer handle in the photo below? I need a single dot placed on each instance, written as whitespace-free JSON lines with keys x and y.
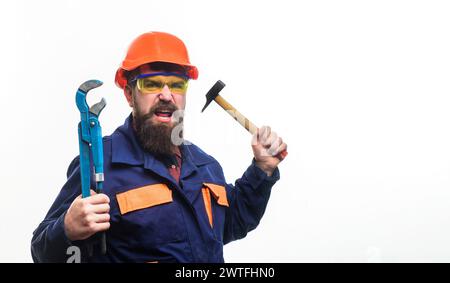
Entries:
{"x":238,"y":116}
{"x":246,"y":123}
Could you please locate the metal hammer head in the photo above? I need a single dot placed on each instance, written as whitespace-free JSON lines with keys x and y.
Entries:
{"x":213,"y":93}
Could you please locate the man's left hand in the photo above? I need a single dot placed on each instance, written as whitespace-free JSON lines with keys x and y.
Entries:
{"x":267,"y":148}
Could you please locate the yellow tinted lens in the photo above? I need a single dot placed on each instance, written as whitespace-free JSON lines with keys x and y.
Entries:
{"x":149,"y":85}
{"x":155,"y":84}
{"x":178,"y":87}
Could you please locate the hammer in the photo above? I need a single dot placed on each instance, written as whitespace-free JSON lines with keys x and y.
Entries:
{"x":213,"y":94}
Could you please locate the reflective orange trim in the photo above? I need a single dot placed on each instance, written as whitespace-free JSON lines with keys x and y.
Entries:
{"x":143,"y":197}
{"x":219,"y":193}
{"x":208,"y":206}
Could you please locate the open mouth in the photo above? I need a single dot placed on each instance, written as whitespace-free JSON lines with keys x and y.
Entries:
{"x":164,"y":113}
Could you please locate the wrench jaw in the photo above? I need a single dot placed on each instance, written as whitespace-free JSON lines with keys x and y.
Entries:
{"x":82,"y":93}
{"x":89,"y":85}
{"x":84,"y":109}
{"x":81,"y":101}
{"x":98,"y":107}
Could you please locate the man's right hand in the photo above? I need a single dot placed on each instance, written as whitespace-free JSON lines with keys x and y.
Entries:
{"x":87,"y":216}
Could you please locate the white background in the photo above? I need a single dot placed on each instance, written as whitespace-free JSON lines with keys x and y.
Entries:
{"x":358,"y":89}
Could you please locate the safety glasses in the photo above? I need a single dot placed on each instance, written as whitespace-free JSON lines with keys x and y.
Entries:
{"x":155,"y":82}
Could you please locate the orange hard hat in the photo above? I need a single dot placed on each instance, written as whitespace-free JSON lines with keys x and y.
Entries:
{"x":155,"y":47}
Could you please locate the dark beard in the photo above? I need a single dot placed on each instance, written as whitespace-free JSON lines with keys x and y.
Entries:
{"x":156,"y":138}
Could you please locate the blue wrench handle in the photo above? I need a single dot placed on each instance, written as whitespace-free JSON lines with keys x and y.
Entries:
{"x":84,"y":164}
{"x":97,"y":151}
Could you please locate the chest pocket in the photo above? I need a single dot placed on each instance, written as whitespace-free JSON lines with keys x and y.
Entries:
{"x":150,"y":216}
{"x":219,"y":195}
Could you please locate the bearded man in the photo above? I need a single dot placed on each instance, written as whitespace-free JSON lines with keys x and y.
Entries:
{"x":163,"y":199}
